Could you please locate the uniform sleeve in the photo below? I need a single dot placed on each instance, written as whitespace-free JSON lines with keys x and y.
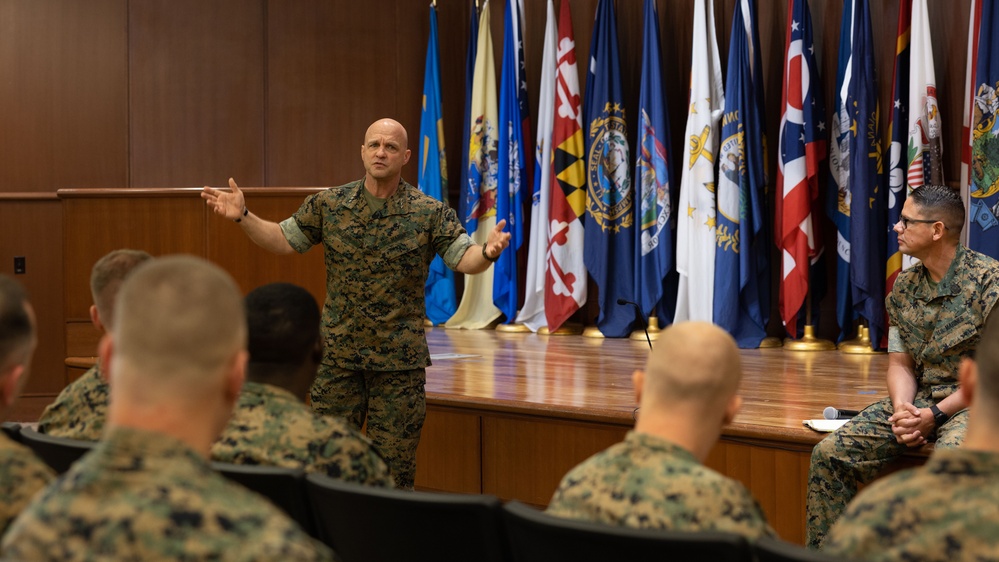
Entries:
{"x":450,"y":239}
{"x":304,"y":229}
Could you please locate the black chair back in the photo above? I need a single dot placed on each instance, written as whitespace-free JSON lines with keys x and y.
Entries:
{"x":367,"y":524}
{"x":774,"y":550}
{"x":12,"y":430}
{"x":284,"y":487}
{"x":538,"y":537}
{"x":57,"y":452}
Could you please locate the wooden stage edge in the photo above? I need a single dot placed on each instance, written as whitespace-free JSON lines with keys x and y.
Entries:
{"x":509,"y":414}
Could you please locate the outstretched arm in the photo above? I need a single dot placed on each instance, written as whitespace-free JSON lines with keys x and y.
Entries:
{"x":474,"y":262}
{"x":232,"y":205}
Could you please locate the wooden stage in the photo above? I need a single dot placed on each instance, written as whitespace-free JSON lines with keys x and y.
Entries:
{"x":519,"y":410}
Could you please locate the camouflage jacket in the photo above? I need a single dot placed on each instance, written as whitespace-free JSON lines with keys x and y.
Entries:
{"x":146,"y":496}
{"x":270,"y":426}
{"x":939,"y":324}
{"x":376,"y":268}
{"x":80,"y":409}
{"x":22,"y":474}
{"x":648,"y":482}
{"x":948,"y":509}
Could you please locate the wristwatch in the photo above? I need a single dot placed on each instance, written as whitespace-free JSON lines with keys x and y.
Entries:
{"x":939,"y":417}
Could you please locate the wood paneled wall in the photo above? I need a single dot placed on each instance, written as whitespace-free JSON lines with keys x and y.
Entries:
{"x":179,"y":93}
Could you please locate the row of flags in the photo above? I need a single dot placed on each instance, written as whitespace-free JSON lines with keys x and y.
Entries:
{"x":696,"y":246}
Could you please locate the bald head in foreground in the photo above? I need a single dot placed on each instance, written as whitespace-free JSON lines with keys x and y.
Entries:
{"x":176,"y":357}
{"x":21,"y":473}
{"x":655,"y":478}
{"x":947,"y":509}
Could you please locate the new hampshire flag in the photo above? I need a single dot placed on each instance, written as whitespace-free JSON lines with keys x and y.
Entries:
{"x":654,"y":235}
{"x":741,"y":258}
{"x":440,"y":297}
{"x":610,"y":226}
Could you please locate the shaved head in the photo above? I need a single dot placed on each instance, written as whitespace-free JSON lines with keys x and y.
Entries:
{"x":693,"y":362}
{"x":387,"y":126}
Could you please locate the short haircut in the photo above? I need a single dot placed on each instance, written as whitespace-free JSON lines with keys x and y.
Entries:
{"x":987,"y":359}
{"x":178,"y":317}
{"x":283,"y":324}
{"x":694,"y":362}
{"x":17,"y":330}
{"x":941,"y":203}
{"x":106,"y":277}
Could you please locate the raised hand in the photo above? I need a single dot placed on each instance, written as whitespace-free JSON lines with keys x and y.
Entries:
{"x":229,"y":204}
{"x":497,"y":241}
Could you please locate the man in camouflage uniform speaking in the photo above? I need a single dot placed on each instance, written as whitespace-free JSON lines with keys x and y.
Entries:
{"x":947,"y":509}
{"x":22,"y":474}
{"x":176,"y":357}
{"x":271,"y":424}
{"x":379,"y":235}
{"x":936,"y":312}
{"x":656,"y":478}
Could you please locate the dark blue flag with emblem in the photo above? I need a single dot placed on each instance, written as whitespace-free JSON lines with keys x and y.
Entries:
{"x":610,"y":219}
{"x":653,"y":207}
{"x":868,"y":200}
{"x":432,"y":180}
{"x":897,"y":152}
{"x":512,"y":178}
{"x":740,"y":305}
{"x":983,"y":203}
{"x":467,"y":196}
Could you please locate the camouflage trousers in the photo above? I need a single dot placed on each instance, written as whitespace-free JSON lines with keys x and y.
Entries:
{"x":392,"y":402}
{"x":856,"y":454}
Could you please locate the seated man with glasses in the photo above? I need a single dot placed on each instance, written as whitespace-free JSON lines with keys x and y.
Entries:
{"x":936,"y":310}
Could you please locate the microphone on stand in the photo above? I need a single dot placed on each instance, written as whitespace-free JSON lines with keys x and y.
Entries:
{"x":640,"y":315}
{"x":831,"y":413}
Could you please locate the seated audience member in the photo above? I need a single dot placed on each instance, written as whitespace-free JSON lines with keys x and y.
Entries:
{"x":175,"y":356}
{"x":655,"y":478}
{"x":21,"y":473}
{"x":271,"y":424}
{"x":936,"y":311}
{"x":81,"y":408}
{"x":947,"y":509}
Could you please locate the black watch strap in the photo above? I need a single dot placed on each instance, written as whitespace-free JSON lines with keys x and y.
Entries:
{"x":939,"y":417}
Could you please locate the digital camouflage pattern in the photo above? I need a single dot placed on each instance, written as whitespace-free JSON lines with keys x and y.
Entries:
{"x":376,"y":267}
{"x":270,"y":426}
{"x":938,"y":325}
{"x":395,"y":405}
{"x":648,"y":482}
{"x":80,"y":409}
{"x":945,"y":510}
{"x":22,"y":475}
{"x":146,"y":496}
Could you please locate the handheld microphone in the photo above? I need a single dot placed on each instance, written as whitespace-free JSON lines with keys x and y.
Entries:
{"x":831,"y":413}
{"x":640,"y":315}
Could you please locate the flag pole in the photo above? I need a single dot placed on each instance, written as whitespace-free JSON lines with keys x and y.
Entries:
{"x":862,"y":344}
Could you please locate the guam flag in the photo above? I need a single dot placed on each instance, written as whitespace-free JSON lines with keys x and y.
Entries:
{"x":740,"y":259}
{"x":610,"y":226}
{"x":983,"y":205}
{"x":654,"y":235}
{"x":440,"y":296}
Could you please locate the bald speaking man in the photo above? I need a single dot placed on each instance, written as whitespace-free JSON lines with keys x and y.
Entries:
{"x":379,"y":235}
{"x":656,"y":477}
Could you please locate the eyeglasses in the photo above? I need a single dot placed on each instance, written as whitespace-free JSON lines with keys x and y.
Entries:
{"x":906,"y":221}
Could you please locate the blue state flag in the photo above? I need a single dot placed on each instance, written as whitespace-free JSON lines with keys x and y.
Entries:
{"x":867,"y":195}
{"x":838,"y":202}
{"x":983,"y":203}
{"x":740,"y":305}
{"x":654,"y":237}
{"x":439,"y":289}
{"x":512,"y":177}
{"x":469,"y":198}
{"x":898,"y":119}
{"x":610,"y":218}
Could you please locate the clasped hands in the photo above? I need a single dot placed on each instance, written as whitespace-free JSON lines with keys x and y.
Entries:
{"x":911,"y":425}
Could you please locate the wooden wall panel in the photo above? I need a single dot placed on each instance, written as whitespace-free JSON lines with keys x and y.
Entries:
{"x":64,"y":118}
{"x":251,"y":265}
{"x":545,"y":448}
{"x":96,"y":225}
{"x":33,"y":229}
{"x":196,"y":92}
{"x":449,"y":456}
